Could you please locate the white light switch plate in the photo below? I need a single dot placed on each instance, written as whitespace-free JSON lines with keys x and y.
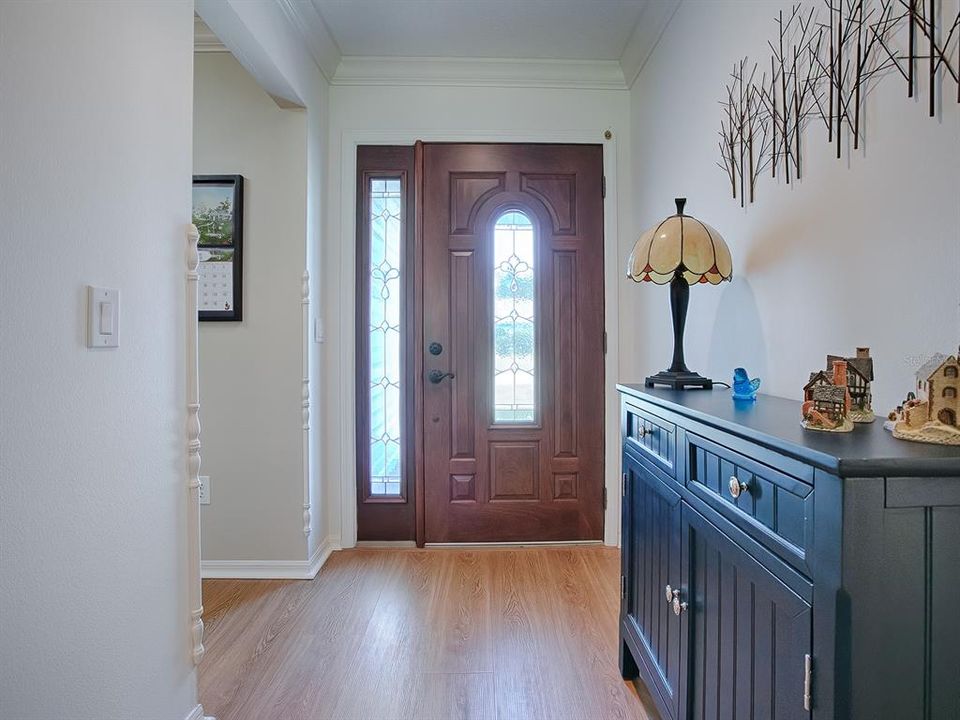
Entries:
{"x":204,"y":490}
{"x":103,"y":317}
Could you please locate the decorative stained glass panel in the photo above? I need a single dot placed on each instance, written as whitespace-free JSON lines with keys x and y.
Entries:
{"x":386,"y":241}
{"x":514,"y":320}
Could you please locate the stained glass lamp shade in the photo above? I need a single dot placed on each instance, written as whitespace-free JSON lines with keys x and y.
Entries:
{"x":680,"y":251}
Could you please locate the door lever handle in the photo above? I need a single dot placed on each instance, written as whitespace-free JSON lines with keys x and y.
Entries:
{"x":437,"y":376}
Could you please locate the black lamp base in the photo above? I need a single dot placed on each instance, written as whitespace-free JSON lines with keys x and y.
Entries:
{"x":679,"y":380}
{"x":679,"y":376}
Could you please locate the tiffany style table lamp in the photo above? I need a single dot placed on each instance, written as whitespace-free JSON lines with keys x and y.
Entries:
{"x":681,"y":251}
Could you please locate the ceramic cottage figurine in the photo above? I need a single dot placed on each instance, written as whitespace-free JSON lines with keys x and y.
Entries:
{"x":859,"y":377}
{"x":930,"y":415}
{"x":743,"y":387}
{"x":826,"y":400}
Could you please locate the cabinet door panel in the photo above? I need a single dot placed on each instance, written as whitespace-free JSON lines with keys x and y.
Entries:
{"x":746,"y":632}
{"x":652,"y":561}
{"x":912,"y":668}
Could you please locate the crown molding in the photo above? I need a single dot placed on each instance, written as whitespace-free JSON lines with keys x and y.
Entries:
{"x":480,"y":72}
{"x":204,"y":40}
{"x":467,"y":72}
{"x":316,"y":35}
{"x":653,"y":20}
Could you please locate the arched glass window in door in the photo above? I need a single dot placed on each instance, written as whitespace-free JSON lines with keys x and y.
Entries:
{"x":514,"y":320}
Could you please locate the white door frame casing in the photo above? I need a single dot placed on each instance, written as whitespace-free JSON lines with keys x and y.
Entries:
{"x":343,"y":433}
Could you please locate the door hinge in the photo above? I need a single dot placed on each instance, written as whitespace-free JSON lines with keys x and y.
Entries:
{"x":603,"y":186}
{"x":623,"y":485}
{"x":604,"y":498}
{"x":623,"y":586}
{"x":604,"y":342}
{"x":807,"y":682}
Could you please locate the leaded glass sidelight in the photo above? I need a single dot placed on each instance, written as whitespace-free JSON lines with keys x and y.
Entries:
{"x":385,"y":225}
{"x":514,"y":319}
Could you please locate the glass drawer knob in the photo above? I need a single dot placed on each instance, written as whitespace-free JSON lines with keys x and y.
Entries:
{"x":678,"y":606}
{"x":737,"y":487}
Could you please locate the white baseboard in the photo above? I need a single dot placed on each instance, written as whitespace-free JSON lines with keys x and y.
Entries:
{"x":270,"y":569}
{"x":197,"y":714}
{"x":320,"y":555}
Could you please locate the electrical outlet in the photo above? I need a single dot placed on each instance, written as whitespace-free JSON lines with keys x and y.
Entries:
{"x":204,"y":489}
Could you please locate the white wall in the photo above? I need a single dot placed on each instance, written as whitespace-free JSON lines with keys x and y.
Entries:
{"x":250,"y":372}
{"x":863,"y":251}
{"x":95,"y":143}
{"x":400,"y":115}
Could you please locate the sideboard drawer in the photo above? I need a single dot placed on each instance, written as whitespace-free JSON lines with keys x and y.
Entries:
{"x":655,"y":437}
{"x":773,"y":507}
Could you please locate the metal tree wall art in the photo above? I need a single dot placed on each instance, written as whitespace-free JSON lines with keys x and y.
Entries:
{"x":794,"y":86}
{"x":856,"y":36}
{"x":764,"y":119}
{"x":941,"y":44}
{"x":823,"y":64}
{"x":745,"y":132}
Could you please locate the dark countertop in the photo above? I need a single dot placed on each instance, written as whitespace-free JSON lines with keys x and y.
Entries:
{"x":868,"y":451}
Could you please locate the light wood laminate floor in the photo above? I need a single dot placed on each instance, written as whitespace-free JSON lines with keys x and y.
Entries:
{"x":497,"y":634}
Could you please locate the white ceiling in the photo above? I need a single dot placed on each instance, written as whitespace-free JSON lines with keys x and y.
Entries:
{"x":541,"y":29}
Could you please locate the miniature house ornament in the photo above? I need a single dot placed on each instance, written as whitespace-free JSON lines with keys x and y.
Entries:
{"x":826,"y":400}
{"x":680,"y":251}
{"x":930,"y":414}
{"x":859,"y":377}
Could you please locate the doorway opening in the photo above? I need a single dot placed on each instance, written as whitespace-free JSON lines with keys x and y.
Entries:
{"x":252,"y":368}
{"x":480,"y":343}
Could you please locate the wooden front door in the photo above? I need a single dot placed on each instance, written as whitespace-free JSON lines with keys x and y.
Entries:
{"x":513,"y":342}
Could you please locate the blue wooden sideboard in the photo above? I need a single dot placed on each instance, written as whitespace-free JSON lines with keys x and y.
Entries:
{"x":771,"y":572}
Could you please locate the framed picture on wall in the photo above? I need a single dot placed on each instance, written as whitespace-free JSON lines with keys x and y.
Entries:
{"x":218,"y":215}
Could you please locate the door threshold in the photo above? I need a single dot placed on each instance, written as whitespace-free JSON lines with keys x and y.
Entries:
{"x":386,"y":543}
{"x":537,"y":543}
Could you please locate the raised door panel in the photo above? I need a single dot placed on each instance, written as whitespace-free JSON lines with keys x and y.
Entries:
{"x":746,"y":633}
{"x":514,"y":471}
{"x":558,"y":192}
{"x":910,"y":529}
{"x":944,"y":574}
{"x":652,"y":561}
{"x":468,"y":190}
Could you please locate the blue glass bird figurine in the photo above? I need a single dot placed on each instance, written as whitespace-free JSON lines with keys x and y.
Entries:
{"x":743,"y":387}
